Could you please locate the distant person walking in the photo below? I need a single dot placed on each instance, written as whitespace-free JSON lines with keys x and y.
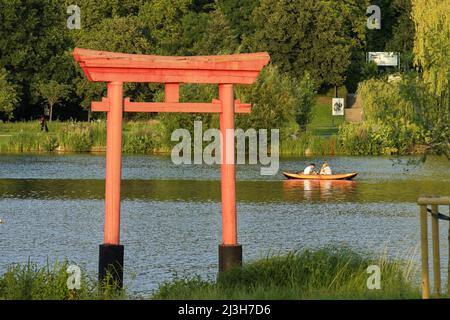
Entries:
{"x":43,"y":123}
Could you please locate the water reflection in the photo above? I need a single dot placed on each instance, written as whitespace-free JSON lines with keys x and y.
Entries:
{"x":293,"y":191}
{"x":53,"y":208}
{"x":323,"y":190}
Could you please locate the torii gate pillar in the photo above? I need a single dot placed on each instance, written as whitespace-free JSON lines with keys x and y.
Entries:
{"x":230,"y":252}
{"x":111,"y":253}
{"x":118,"y":68}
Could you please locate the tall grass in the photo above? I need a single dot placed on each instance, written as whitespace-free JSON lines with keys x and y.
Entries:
{"x":76,"y":137}
{"x":29,"y":282}
{"x":138,"y":137}
{"x":330,"y":273}
{"x":144,"y":138}
{"x":309,"y":144}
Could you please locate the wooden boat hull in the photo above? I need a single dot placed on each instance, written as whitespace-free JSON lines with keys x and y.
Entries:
{"x":343,"y":176}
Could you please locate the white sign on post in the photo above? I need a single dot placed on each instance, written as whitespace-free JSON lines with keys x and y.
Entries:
{"x":383,"y":59}
{"x":338,"y":106}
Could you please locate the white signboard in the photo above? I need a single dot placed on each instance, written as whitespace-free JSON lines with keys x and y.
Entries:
{"x":383,"y":59}
{"x":338,"y":106}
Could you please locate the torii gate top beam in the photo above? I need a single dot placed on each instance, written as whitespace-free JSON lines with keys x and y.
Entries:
{"x":103,"y":66}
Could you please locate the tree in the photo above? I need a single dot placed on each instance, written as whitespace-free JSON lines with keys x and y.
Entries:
{"x":279,"y":101}
{"x":8,"y":95}
{"x":402,"y":38}
{"x":309,"y":35}
{"x":120,"y":34}
{"x":219,"y":39}
{"x":431,"y":44}
{"x":162,"y":21}
{"x":430,"y":93}
{"x":238,"y":15}
{"x":33,"y":38}
{"x":95,"y":11}
{"x":378,"y":38}
{"x":53,"y":92}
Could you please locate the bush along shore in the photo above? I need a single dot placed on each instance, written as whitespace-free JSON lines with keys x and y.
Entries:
{"x":328,"y":273}
{"x":150,"y":137}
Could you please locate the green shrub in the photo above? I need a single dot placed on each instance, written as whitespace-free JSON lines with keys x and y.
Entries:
{"x":50,"y":144}
{"x":392,"y":124}
{"x":383,"y":101}
{"x":141,"y":142}
{"x":377,"y":138}
{"x":189,"y":93}
{"x":143,"y":138}
{"x":279,"y":101}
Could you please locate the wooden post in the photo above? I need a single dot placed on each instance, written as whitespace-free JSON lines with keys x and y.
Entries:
{"x":436,"y":252}
{"x":424,"y":246}
{"x":111,"y":252}
{"x":230,"y":252}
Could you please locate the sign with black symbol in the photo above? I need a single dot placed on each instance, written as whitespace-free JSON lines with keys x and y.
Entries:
{"x":338,"y":107}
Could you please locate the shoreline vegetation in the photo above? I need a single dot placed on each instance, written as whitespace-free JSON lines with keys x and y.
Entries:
{"x":150,"y":137}
{"x":327,"y":273}
{"x":404,"y":107}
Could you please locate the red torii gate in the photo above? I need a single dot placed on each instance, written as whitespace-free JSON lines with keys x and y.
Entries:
{"x":117,"y":68}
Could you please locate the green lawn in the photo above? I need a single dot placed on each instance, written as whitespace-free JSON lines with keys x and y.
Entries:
{"x":322,"y":122}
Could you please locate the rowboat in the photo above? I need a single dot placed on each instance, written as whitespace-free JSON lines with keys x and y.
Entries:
{"x":342,"y":176}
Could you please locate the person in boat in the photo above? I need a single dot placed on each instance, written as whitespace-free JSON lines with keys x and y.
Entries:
{"x":311,"y":169}
{"x":325,"y":169}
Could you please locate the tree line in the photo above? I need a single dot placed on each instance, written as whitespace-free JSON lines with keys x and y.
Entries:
{"x":321,"y":41}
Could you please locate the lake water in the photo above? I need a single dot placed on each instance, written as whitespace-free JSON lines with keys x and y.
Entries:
{"x":52,"y":207}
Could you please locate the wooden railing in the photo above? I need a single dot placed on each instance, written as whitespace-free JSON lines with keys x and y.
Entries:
{"x":436,"y":203}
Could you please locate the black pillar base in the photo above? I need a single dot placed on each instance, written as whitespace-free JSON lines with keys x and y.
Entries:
{"x":110,"y":267}
{"x":230,"y":256}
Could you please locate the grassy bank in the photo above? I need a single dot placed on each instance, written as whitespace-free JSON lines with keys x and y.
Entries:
{"x":139,"y":137}
{"x":324,"y":135}
{"x":29,"y":282}
{"x":320,"y":274}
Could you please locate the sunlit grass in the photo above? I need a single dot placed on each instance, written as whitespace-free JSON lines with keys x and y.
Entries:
{"x":328,"y":273}
{"x":70,"y":136}
{"x":30,"y":282}
{"x":321,"y":274}
{"x":323,"y":123}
